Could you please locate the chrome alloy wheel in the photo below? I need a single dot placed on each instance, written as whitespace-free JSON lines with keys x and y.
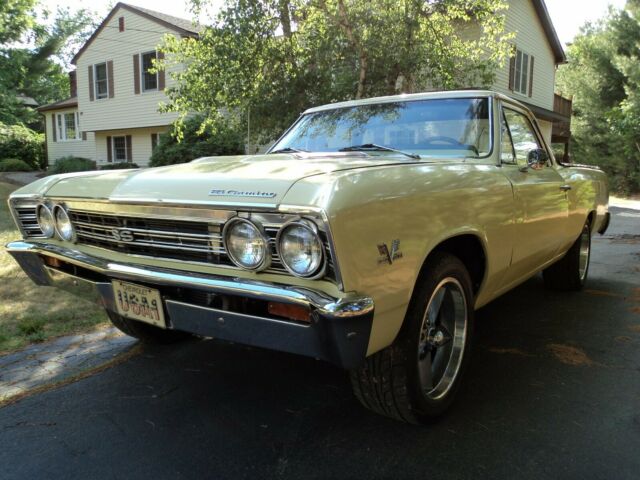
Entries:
{"x":585,"y":252}
{"x":443,"y":334}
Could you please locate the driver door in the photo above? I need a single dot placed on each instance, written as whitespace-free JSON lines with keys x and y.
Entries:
{"x":539,"y":191}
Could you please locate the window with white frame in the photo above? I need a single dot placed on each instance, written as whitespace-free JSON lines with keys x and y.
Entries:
{"x":149,"y":79}
{"x":119,"y":149}
{"x":100,"y":82}
{"x":522,"y":71}
{"x":68,"y":126}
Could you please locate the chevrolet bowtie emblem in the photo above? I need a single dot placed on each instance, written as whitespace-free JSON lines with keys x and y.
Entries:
{"x":389,"y":256}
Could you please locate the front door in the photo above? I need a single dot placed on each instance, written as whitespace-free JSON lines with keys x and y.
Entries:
{"x":539,"y":194}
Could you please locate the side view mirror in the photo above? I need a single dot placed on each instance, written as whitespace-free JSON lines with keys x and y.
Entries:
{"x":537,"y":158}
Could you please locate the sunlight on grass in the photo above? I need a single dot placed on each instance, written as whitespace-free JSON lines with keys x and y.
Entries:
{"x":29,"y":313}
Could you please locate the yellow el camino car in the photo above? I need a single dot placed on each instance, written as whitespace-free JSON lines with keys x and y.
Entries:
{"x":366,"y":237}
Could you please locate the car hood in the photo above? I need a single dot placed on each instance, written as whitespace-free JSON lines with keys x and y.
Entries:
{"x":260,"y":179}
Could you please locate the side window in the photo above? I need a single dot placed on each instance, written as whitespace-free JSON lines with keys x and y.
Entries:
{"x":507,"y":154}
{"x":523,"y":135}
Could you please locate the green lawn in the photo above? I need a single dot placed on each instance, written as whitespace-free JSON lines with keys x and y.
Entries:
{"x":29,"y":313}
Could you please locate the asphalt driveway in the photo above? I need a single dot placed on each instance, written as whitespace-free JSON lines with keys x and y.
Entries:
{"x":553,"y":392}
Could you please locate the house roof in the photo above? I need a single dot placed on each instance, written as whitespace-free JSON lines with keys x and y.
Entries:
{"x":66,"y":103}
{"x":550,"y":31}
{"x":178,"y":25}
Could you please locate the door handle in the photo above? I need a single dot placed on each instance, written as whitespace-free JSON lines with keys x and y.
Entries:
{"x":565,"y":188}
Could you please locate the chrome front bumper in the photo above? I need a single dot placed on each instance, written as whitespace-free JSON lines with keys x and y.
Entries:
{"x":338,"y":332}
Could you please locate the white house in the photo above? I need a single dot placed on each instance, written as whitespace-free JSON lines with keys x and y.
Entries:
{"x":112,"y":114}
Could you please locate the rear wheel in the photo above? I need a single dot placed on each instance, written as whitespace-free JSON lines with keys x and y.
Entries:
{"x":144,"y":332}
{"x":416,"y":378}
{"x":570,"y":272}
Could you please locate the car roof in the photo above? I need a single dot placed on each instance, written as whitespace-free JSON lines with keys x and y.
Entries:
{"x":409,"y":97}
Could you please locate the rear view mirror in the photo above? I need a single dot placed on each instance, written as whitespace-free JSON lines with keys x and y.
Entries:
{"x":537,"y":158}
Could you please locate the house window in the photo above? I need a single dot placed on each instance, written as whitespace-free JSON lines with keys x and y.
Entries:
{"x":101,"y":85}
{"x":68,"y":127}
{"x":522,"y":71}
{"x":119,"y":149}
{"x":149,"y":80}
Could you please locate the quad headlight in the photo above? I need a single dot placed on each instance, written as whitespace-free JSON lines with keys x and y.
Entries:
{"x":301,"y":249}
{"x":246,"y":244}
{"x":45,"y":220}
{"x":64,"y":227}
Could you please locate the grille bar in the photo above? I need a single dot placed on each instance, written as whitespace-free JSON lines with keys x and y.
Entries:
{"x":28,"y":220}
{"x":169,"y":239}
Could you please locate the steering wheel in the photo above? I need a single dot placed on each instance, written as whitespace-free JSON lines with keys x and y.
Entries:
{"x":450,"y":141}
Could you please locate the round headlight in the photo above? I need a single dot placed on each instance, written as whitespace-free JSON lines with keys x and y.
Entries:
{"x":246,"y":245}
{"x":64,"y":227}
{"x":300,"y":247}
{"x":45,"y":221}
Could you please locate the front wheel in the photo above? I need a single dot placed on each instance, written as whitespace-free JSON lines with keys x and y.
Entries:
{"x":570,"y":272}
{"x":416,"y":378}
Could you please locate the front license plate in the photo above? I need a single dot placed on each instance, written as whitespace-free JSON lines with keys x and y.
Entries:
{"x":139,"y":303}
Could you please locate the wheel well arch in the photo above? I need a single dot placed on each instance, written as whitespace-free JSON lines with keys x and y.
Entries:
{"x":470,"y":249}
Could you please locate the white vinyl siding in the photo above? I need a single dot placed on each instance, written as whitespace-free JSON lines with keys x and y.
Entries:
{"x":531,"y":39}
{"x":126,"y":110}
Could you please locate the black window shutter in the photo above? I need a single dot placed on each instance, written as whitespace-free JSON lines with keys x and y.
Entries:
{"x":161,"y":73}
{"x":109,"y":153}
{"x":110,"y":77}
{"x":91,"y":83}
{"x":136,"y":74}
{"x":512,"y":71}
{"x":53,"y":128}
{"x":129,"y":152}
{"x":154,"y":141}
{"x":531,"y":77}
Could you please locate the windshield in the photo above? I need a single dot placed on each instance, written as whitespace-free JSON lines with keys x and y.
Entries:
{"x":444,"y":127}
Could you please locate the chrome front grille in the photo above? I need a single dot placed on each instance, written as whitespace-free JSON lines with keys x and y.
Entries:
{"x":27,"y":220}
{"x":194,"y":241}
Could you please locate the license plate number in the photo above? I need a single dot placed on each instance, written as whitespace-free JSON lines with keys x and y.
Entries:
{"x":139,"y":303}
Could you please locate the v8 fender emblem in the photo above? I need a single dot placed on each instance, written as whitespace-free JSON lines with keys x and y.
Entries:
{"x":387,"y":255}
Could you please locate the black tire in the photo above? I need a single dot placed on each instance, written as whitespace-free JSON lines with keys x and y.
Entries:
{"x":389,"y":382}
{"x":570,"y":272}
{"x":146,"y":333}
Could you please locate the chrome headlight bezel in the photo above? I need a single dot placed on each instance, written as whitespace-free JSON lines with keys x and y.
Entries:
{"x":260,"y":234}
{"x":310,"y":226}
{"x":68,"y":235}
{"x":41,"y":207}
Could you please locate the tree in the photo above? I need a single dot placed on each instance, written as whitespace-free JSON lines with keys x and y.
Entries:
{"x":274,"y":58}
{"x":603,"y":76}
{"x":36,"y":67}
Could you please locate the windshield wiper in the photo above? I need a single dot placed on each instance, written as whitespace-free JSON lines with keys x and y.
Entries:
{"x":380,"y":148}
{"x":288,"y":150}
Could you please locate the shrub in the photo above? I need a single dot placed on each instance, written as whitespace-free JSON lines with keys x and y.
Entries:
{"x":72,"y":164}
{"x":118,"y":166}
{"x":18,"y":141}
{"x":225,"y":139}
{"x":14,"y":165}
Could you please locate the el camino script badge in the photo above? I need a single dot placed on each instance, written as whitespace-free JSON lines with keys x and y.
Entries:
{"x":238,"y":193}
{"x":389,"y":256}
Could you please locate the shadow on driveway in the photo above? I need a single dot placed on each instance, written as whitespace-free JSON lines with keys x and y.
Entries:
{"x":553,"y":392}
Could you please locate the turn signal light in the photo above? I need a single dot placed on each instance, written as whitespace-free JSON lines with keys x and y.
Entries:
{"x":292,"y":312}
